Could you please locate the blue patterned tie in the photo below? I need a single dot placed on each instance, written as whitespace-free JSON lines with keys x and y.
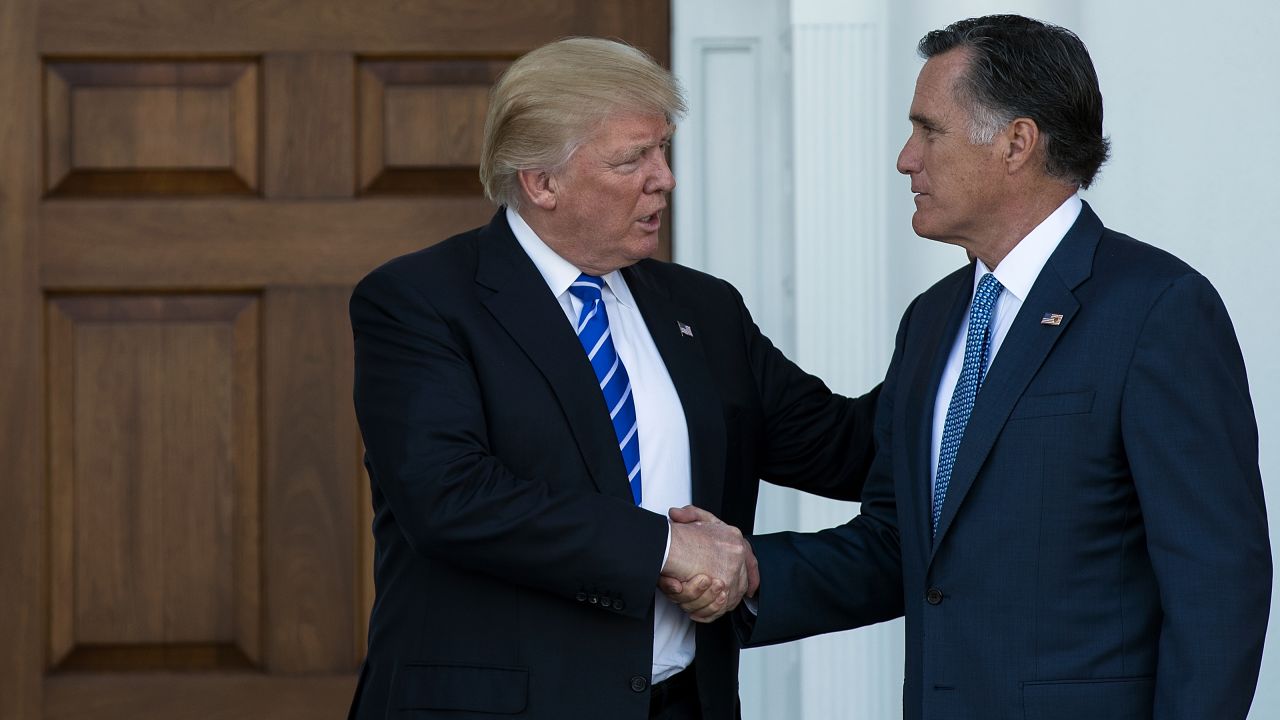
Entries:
{"x":593,"y":331}
{"x":976,"y":343}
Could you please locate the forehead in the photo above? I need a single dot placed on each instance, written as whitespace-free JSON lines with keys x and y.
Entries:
{"x":935,"y":95}
{"x":630,"y":129}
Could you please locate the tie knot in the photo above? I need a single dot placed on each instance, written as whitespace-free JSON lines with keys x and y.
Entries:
{"x":587,"y":288}
{"x":988,"y":290}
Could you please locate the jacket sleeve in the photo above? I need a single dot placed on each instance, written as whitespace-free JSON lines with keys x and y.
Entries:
{"x":420,"y":411}
{"x":813,"y":439}
{"x":1192,"y":445}
{"x":844,"y":577}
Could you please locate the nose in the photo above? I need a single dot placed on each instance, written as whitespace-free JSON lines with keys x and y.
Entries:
{"x":661,"y":179}
{"x":909,"y":157}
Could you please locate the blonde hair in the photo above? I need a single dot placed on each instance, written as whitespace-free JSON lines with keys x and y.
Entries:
{"x":549,"y":102}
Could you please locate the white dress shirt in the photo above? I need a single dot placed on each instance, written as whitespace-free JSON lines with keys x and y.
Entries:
{"x":664,"y":435}
{"x":1017,"y":273}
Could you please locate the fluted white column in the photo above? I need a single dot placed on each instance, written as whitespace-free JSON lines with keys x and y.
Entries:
{"x":842,"y":327}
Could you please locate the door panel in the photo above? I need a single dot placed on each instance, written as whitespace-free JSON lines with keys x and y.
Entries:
{"x":188,"y":191}
{"x":153,"y":478}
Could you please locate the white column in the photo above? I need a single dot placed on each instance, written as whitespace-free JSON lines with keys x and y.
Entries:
{"x":842,"y":330}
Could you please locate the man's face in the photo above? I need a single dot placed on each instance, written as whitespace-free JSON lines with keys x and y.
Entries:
{"x":957,"y":183}
{"x":611,"y":194}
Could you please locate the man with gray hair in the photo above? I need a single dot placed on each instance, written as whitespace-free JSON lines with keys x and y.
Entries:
{"x":1065,"y":502}
{"x":535,"y":394}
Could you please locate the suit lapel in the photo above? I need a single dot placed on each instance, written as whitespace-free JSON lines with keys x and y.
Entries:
{"x":940,"y":321}
{"x":686,"y":363}
{"x":519,"y":299}
{"x":1021,"y":355}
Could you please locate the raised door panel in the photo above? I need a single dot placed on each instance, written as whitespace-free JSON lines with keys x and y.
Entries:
{"x":422,"y":124}
{"x":153,"y":483}
{"x":151,"y":128}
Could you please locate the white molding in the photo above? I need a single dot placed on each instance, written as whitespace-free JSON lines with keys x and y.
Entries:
{"x":839,"y":103}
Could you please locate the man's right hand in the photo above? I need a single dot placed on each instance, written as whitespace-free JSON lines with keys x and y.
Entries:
{"x":710,"y":566}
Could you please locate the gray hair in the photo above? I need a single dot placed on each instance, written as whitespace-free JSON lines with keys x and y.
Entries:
{"x":550,"y":101}
{"x":1020,"y":67}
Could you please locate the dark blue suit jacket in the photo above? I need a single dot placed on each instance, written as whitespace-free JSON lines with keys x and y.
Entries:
{"x":1102,"y":553}
{"x":515,"y":576}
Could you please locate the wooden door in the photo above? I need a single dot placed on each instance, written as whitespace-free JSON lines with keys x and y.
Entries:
{"x":188,"y":191}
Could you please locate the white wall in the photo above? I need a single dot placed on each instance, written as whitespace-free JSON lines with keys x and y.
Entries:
{"x":1191,"y":106}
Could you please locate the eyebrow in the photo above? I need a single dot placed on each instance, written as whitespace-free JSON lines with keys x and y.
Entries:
{"x":918,"y":119}
{"x":639,"y":148}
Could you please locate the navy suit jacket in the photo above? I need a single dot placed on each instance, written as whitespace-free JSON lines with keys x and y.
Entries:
{"x":515,"y":576}
{"x":1102,"y":553}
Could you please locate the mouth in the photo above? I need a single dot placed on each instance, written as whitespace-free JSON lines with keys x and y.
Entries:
{"x":651,"y":223}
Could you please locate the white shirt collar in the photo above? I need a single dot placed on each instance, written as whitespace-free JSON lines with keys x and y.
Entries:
{"x":1020,"y":268}
{"x":559,"y":273}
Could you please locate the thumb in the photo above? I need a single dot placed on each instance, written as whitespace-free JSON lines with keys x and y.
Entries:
{"x":691,"y":513}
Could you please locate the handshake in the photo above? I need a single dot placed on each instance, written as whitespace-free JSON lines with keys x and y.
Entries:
{"x":710,"y":566}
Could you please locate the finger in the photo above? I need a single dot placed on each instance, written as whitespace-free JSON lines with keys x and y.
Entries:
{"x":711,"y":610}
{"x":670,"y":586}
{"x":692,"y":589}
{"x":691,"y":513}
{"x":706,"y":598}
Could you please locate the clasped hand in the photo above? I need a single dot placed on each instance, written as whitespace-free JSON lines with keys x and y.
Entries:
{"x":710,"y":566}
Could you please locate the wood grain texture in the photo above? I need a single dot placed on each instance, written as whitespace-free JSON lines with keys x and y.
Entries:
{"x":440,"y":126}
{"x":22,"y":422}
{"x":310,"y":125}
{"x":60,"y":337}
{"x":160,"y":27}
{"x":422,"y":124}
{"x":167,"y":696}
{"x":387,"y":26}
{"x":130,"y":128}
{"x":312,"y":457}
{"x":239,"y":244}
{"x":150,"y":401}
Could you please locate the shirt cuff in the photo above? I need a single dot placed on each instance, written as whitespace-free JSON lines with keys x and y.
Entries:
{"x":666,"y":553}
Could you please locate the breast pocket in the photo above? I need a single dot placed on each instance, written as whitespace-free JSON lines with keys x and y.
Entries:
{"x":1034,"y":406}
{"x":1112,"y":699}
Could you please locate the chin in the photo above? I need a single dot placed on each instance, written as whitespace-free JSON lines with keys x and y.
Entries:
{"x":644,"y":247}
{"x":920,"y":227}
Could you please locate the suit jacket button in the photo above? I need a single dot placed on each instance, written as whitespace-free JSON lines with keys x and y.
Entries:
{"x":933,"y":596}
{"x":595,"y":599}
{"x":581,"y":596}
{"x":618,"y":604}
{"x":639,"y":683}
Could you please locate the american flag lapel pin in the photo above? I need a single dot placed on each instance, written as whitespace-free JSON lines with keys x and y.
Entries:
{"x":1051,"y":319}
{"x":684,"y":329}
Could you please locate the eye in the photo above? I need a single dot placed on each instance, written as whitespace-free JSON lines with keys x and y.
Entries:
{"x":626,"y":166}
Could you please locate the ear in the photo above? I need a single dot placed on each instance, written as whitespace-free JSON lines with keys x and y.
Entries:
{"x":540,"y":187}
{"x":1022,"y":143}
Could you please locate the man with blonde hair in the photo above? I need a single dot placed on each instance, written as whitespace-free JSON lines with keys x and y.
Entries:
{"x":536,"y":394}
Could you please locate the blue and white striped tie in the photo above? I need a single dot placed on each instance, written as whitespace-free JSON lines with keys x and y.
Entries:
{"x":593,"y":332}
